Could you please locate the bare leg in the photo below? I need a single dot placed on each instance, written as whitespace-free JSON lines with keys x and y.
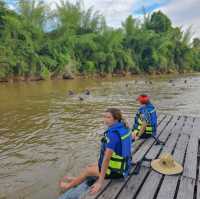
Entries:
{"x":91,"y":170}
{"x":70,"y":178}
{"x":67,"y":179}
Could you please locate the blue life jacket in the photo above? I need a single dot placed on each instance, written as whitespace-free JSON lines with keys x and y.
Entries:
{"x":148,"y":112}
{"x":119,"y":163}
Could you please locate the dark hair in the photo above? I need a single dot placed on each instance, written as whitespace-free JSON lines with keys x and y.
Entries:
{"x":117,"y":115}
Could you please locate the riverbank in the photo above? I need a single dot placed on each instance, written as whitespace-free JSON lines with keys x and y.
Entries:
{"x":72,"y":76}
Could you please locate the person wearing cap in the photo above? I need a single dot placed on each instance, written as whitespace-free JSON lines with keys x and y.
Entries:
{"x":145,"y":124}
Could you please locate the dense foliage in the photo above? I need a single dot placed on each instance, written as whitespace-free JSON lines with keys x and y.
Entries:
{"x":38,"y":41}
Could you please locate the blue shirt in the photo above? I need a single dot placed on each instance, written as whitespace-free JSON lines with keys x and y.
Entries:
{"x":144,"y":112}
{"x":145,"y":116}
{"x":114,"y":142}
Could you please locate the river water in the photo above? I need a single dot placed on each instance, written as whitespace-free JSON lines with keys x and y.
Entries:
{"x":45,"y":133}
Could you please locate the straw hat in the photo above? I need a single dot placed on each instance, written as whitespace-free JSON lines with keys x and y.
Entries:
{"x":166,"y":165}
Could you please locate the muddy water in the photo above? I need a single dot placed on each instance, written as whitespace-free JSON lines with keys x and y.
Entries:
{"x":44,"y":133}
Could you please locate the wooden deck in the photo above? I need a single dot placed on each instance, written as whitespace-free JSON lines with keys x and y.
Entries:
{"x":181,"y":136}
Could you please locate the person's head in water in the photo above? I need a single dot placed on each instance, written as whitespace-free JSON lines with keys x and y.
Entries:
{"x":113,"y":115}
{"x":143,"y":99}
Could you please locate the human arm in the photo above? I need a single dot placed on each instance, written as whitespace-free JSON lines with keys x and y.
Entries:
{"x":98,"y":185}
{"x":142,"y":130}
{"x":142,"y":115}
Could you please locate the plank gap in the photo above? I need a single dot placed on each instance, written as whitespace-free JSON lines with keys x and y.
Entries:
{"x":197,"y":172}
{"x":177,"y":188}
{"x":141,"y":185}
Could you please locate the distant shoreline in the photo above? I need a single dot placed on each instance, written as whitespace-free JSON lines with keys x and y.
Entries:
{"x":95,"y":76}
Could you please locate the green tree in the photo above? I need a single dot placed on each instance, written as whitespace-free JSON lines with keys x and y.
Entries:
{"x":38,"y":41}
{"x":159,"y":22}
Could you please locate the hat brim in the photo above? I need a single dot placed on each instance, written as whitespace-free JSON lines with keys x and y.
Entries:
{"x":156,"y":166}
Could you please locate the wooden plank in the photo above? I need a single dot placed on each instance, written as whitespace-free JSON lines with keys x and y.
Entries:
{"x":148,"y":143}
{"x":193,"y":145}
{"x":182,"y":142}
{"x":170,"y":144}
{"x":197,"y":121}
{"x":136,"y":145}
{"x":180,"y":149}
{"x":168,"y":187}
{"x":190,"y":166}
{"x":186,"y":188}
{"x":142,"y":150}
{"x":198,"y":190}
{"x":169,"y":184}
{"x":87,"y":194}
{"x":133,"y":185}
{"x":161,"y":118}
{"x":195,"y":132}
{"x":113,"y":190}
{"x":108,"y":186}
{"x":150,"y":186}
{"x":174,"y":136}
{"x":179,"y":125}
{"x":114,"y":187}
{"x":169,"y":128}
{"x":155,"y":149}
{"x":196,"y":128}
{"x":172,"y":122}
{"x":164,"y":122}
{"x":188,"y":125}
{"x":153,"y":152}
{"x":146,"y":164}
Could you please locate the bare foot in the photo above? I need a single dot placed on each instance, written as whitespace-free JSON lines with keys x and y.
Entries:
{"x":67,"y":178}
{"x":64,"y":186}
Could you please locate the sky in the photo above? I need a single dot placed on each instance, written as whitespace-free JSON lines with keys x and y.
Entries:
{"x":184,"y":13}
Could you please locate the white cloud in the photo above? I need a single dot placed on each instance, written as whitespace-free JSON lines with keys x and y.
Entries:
{"x":11,"y":7}
{"x":182,"y":12}
{"x":115,"y":11}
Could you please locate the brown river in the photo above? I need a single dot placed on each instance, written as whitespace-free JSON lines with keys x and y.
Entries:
{"x":45,"y":133}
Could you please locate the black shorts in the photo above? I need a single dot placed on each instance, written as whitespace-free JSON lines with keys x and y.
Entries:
{"x":91,"y":180}
{"x":113,"y":175}
{"x":144,"y":136}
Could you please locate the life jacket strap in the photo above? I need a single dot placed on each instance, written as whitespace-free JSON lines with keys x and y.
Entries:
{"x":118,"y":163}
{"x":148,"y":129}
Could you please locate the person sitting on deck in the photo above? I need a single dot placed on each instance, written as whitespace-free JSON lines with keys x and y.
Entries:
{"x":115,"y":154}
{"x":145,"y":124}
